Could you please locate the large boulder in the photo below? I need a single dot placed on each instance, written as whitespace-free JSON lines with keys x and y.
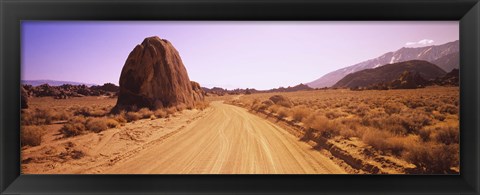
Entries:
{"x":281,"y":100}
{"x":154,"y":77}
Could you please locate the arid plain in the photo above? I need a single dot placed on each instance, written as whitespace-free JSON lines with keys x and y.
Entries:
{"x":388,"y":117}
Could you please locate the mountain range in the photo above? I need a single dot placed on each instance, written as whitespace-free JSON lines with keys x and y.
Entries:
{"x":421,"y":69}
{"x":445,"y":56}
{"x":52,"y":83}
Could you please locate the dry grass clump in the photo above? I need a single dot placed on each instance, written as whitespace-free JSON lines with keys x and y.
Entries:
{"x":202,"y":105}
{"x":133,"y":116}
{"x":120,"y":118}
{"x":448,"y":108}
{"x":93,"y":111}
{"x":75,"y":126}
{"x":145,"y":113}
{"x":434,"y":158}
{"x":282,"y":112}
{"x":171,"y":110}
{"x":100,"y":124}
{"x":387,"y":142}
{"x":43,"y":116}
{"x":80,"y":125}
{"x":31,"y":135}
{"x":73,"y":129}
{"x":393,"y":107}
{"x":323,"y":126}
{"x":300,"y":113}
{"x":441,"y":133}
{"x":160,"y":113}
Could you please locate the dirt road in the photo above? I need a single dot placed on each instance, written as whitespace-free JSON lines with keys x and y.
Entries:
{"x":228,"y":139}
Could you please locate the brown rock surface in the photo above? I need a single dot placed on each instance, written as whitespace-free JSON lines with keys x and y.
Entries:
{"x":154,"y":77}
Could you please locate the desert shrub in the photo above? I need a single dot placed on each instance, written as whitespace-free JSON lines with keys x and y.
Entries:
{"x":308,"y":135}
{"x":62,"y":115}
{"x":413,"y":103}
{"x":273,"y":108}
{"x":386,"y":142}
{"x":97,"y":124}
{"x":447,"y":134}
{"x":448,"y":108}
{"x":254,"y":104}
{"x":325,"y":127}
{"x":84,"y":111}
{"x":171,"y":110}
{"x":333,"y":114}
{"x":395,"y":145}
{"x":300,"y":112}
{"x":201,"y":105}
{"x":376,"y":139}
{"x":414,"y":121}
{"x":392,"y":107}
{"x":437,"y":115}
{"x":38,"y":117}
{"x":72,"y":129}
{"x":112,"y":123}
{"x":351,"y":122}
{"x":120,"y":118}
{"x":262,"y":106}
{"x":91,"y":111}
{"x":282,"y":112}
{"x":347,"y":132}
{"x":78,"y":119}
{"x":433,"y":158}
{"x":145,"y":113}
{"x":31,"y":135}
{"x":160,"y":113}
{"x":425,"y":133}
{"x":133,"y":116}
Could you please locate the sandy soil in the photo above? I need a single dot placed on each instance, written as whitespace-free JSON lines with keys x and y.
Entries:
{"x":221,"y":139}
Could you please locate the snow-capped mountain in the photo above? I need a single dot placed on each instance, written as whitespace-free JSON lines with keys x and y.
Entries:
{"x":428,"y":53}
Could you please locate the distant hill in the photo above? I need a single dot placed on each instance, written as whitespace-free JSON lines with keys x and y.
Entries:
{"x":390,"y":72}
{"x":53,"y":83}
{"x":300,"y":87}
{"x":429,"y":53}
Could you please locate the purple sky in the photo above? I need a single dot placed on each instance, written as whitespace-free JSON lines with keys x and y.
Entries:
{"x":260,"y":55}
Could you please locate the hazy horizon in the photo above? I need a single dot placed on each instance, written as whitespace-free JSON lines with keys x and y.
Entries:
{"x":261,"y":55}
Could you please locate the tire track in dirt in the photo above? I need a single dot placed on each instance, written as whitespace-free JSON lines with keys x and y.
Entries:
{"x":227,"y":139}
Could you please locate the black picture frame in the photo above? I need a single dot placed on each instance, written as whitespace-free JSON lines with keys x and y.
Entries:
{"x":12,"y":12}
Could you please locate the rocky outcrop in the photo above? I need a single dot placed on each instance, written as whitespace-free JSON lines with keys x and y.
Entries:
{"x":408,"y":80}
{"x":66,"y":91}
{"x":450,"y":79}
{"x":154,"y":77}
{"x":281,"y":100}
{"x":198,"y":93}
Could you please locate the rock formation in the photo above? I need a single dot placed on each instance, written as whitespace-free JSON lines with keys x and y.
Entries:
{"x":23,"y":98}
{"x":154,"y":77}
{"x":281,"y":100}
{"x":408,"y":80}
